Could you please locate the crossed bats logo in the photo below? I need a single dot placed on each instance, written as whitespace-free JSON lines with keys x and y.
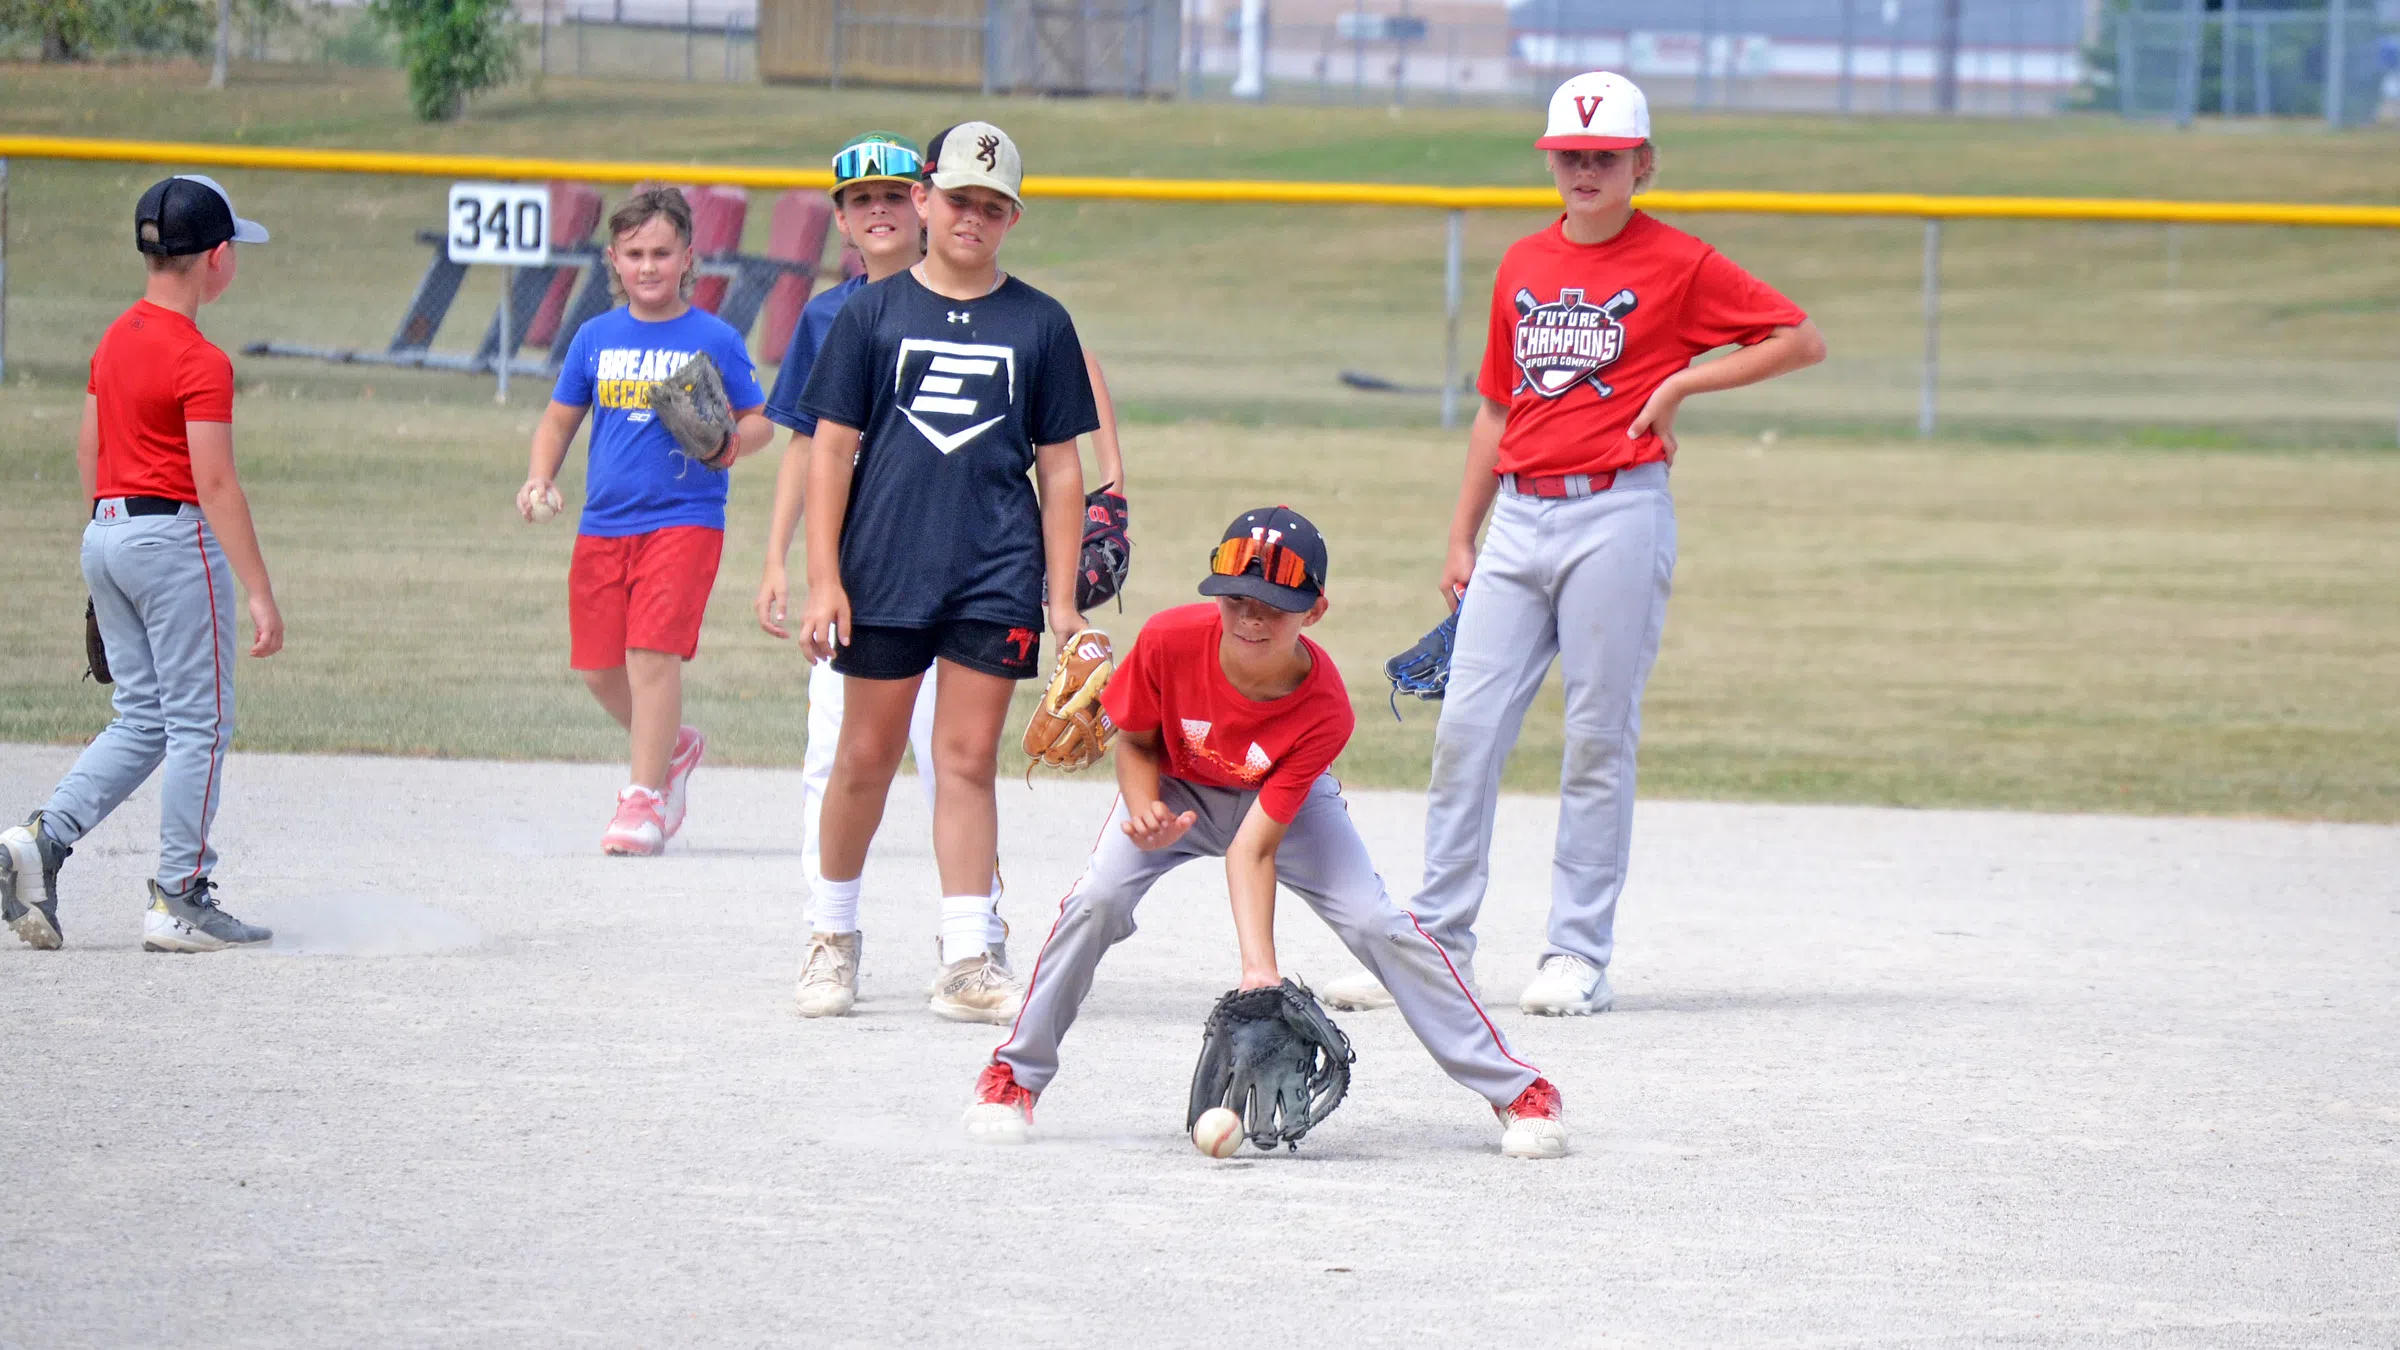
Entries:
{"x":1567,"y":342}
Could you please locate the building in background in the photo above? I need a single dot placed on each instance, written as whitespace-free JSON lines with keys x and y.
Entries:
{"x":1129,"y":48}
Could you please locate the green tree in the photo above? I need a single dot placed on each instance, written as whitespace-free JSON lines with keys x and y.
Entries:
{"x":451,"y":49}
{"x":77,"y":30}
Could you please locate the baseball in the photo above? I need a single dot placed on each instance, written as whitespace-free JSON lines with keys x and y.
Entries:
{"x":1219,"y":1133}
{"x":542,"y":506}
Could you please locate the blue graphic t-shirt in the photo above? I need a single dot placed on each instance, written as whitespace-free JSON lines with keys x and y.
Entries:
{"x":639,"y":479}
{"x":808,"y":338}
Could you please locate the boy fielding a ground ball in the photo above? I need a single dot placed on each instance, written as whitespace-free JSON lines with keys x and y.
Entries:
{"x":170,"y":530}
{"x":1228,"y":718}
{"x":654,"y":509}
{"x":1595,"y":325}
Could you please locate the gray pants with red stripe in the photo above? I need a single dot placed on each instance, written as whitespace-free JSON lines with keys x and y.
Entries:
{"x":1325,"y":862}
{"x":164,"y":596}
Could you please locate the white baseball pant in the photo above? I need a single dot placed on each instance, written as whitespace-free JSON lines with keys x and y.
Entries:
{"x":1324,"y":862}
{"x":1583,"y":580}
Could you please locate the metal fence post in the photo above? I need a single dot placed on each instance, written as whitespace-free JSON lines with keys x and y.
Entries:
{"x":1933,"y":325}
{"x":1849,"y":52}
{"x":729,"y":46}
{"x":2337,"y":65}
{"x":3,"y":269}
{"x":2229,"y":64}
{"x":2125,"y":64}
{"x":691,"y":20}
{"x":1451,"y":261}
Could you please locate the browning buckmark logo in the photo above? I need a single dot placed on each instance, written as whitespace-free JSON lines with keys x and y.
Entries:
{"x":1562,"y":344}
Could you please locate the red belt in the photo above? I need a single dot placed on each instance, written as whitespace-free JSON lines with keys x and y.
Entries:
{"x":1558,"y":485}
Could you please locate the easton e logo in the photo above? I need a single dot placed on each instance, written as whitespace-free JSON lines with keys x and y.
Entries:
{"x":952,"y":392}
{"x":1585,"y":107}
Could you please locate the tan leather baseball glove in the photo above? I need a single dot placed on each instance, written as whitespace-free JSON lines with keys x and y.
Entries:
{"x":1069,"y":729}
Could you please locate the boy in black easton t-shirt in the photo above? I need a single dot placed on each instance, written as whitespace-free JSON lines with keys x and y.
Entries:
{"x":936,"y":391}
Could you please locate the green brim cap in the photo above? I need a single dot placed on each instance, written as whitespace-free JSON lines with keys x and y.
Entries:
{"x":877,"y":157}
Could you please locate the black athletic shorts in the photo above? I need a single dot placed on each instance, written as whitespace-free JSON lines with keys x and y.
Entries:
{"x":877,"y":653}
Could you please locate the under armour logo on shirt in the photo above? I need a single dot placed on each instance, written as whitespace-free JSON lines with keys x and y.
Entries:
{"x":961,"y":316}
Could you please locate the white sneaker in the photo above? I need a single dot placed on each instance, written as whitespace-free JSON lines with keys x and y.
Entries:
{"x":977,"y":989}
{"x":828,"y":976}
{"x":1534,"y":1125}
{"x":1002,"y":1112}
{"x":1567,"y":986}
{"x":1361,"y":993}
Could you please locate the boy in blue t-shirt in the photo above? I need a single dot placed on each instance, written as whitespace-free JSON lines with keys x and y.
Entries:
{"x":653,"y":517}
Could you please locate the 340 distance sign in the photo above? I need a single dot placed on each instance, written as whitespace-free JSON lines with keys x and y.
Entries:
{"x":500,"y":223}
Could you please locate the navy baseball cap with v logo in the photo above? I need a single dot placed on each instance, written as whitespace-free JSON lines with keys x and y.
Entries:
{"x":189,"y":213}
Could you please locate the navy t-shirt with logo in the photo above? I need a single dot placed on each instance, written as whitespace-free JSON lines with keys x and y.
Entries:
{"x":950,"y":397}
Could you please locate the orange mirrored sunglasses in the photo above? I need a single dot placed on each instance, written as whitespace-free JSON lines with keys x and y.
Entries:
{"x":1277,"y":564}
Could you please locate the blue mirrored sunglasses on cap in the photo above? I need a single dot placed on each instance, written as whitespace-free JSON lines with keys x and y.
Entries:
{"x":876,"y":159}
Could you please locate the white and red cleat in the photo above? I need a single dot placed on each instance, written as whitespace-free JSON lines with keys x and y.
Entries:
{"x":690,"y":745}
{"x":1535,"y":1123}
{"x":638,"y":831}
{"x":1002,"y":1112}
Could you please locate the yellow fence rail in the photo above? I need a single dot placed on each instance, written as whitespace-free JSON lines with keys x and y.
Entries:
{"x":1230,"y":191}
{"x":1932,"y":210}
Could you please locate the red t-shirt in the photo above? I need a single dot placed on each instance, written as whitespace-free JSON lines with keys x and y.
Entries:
{"x":1214,"y":735}
{"x":1583,"y":334}
{"x":152,"y":373}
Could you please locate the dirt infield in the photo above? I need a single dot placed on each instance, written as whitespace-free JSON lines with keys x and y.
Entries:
{"x":1876,"y":1077}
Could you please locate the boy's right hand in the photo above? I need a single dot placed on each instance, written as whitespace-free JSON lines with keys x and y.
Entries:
{"x":774,"y":590}
{"x":267,"y":620}
{"x":1457,"y":570}
{"x":825,"y":623}
{"x":1154,"y":827}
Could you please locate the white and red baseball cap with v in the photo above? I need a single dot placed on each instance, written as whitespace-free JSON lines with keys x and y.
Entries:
{"x":1601,"y":110}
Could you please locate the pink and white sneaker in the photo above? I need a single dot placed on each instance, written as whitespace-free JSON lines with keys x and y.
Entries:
{"x":638,"y":831}
{"x":690,"y":745}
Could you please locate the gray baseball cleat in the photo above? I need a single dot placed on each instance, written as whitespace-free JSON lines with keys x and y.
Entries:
{"x":24,"y":852}
{"x":191,"y":922}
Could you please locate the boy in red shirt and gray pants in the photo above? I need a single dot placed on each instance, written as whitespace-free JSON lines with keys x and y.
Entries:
{"x":170,"y":531}
{"x":1596,"y":322}
{"x":1228,"y":721}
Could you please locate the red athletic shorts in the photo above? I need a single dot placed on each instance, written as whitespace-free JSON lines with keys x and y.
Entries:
{"x":642,"y":590}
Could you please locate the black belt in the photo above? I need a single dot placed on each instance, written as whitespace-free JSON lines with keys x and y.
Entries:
{"x":145,"y":506}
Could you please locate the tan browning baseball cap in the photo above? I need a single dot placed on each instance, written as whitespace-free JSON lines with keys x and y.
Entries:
{"x":976,"y":154}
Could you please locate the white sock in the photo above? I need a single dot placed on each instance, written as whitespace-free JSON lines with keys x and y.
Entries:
{"x":835,"y":905}
{"x":966,"y":926}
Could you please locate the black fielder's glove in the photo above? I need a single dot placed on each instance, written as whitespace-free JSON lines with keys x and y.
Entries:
{"x":95,"y":652}
{"x":1107,"y":553}
{"x":1423,"y":671}
{"x":692,"y":405}
{"x":1272,"y":1057}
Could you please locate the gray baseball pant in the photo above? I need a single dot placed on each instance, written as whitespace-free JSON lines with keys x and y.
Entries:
{"x":1322,"y":860}
{"x":1583,"y":580}
{"x":163,"y":593}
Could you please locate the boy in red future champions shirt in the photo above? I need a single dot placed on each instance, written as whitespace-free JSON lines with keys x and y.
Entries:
{"x":1595,"y":324}
{"x":170,"y":530}
{"x":1228,"y":721}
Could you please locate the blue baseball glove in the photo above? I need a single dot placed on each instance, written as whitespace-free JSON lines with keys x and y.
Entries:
{"x":1423,"y":671}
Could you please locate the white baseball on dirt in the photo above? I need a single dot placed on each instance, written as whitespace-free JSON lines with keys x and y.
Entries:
{"x":542,"y":506}
{"x":1219,"y":1133}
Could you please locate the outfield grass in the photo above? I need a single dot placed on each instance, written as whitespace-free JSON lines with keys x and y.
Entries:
{"x":2046,"y":610}
{"x":1964,"y":625}
{"x":2109,"y":333}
